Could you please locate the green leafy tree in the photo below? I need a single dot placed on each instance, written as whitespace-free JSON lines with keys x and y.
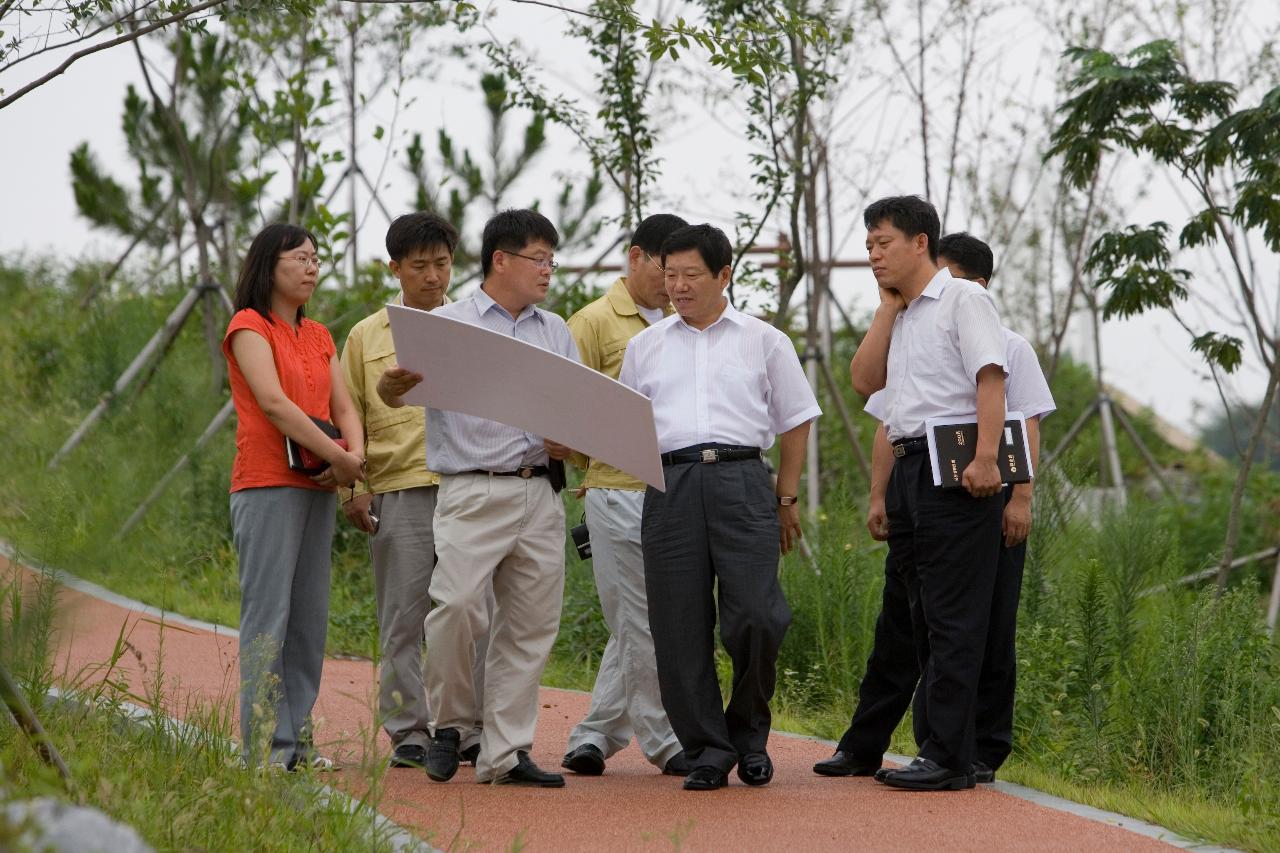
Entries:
{"x":186,"y":136}
{"x":1147,"y":103}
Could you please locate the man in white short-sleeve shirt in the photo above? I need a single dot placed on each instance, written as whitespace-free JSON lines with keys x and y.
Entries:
{"x":893,"y":670}
{"x":937,"y":348}
{"x":723,"y":385}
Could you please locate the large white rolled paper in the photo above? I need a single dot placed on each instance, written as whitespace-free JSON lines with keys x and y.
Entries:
{"x":472,"y":370}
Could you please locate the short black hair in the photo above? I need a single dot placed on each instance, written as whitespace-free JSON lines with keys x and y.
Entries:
{"x":910,"y":214}
{"x":253,"y":287}
{"x":653,"y":230}
{"x":710,"y":241}
{"x":511,"y":230}
{"x":969,"y":253}
{"x":414,"y":232}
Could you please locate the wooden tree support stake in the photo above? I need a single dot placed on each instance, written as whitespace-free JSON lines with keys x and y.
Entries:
{"x":219,"y":420}
{"x":30,"y":725}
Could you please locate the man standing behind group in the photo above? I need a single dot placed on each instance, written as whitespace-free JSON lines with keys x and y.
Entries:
{"x":893,"y":669}
{"x":499,"y":525}
{"x":947,"y":359}
{"x":396,"y":505}
{"x":723,"y":384}
{"x":625,"y":700}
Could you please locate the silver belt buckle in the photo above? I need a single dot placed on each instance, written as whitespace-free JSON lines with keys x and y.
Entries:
{"x":899,"y":450}
{"x":525,"y":472}
{"x":709,"y":454}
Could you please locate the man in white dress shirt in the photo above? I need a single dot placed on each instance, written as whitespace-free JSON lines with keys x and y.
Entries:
{"x":499,"y":527}
{"x":723,"y":385}
{"x":947,"y":359}
{"x":893,"y":669}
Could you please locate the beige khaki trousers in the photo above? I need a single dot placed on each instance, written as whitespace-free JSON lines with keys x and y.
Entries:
{"x":504,"y":534}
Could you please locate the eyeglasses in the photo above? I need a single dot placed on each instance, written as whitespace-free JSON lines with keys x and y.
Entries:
{"x":303,"y":260}
{"x":653,"y":261}
{"x":543,"y":263}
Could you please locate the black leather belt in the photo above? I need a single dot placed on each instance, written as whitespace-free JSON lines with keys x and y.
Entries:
{"x":908,"y":446}
{"x":710,"y":453}
{"x":523,"y":473}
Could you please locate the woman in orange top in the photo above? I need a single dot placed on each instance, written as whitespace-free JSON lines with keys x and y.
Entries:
{"x":284,"y":371}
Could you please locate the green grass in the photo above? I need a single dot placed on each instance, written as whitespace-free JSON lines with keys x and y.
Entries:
{"x":180,"y":786}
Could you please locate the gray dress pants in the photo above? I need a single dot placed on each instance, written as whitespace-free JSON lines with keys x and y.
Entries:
{"x":625,"y":700}
{"x":284,"y":539}
{"x":715,"y":528}
{"x":403,"y":554}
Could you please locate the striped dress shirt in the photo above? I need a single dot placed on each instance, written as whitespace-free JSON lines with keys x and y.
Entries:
{"x":457,"y":442}
{"x":940,"y":343}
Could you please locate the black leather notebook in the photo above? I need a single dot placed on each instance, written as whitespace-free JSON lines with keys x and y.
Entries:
{"x":304,"y":461}
{"x":953,"y":442}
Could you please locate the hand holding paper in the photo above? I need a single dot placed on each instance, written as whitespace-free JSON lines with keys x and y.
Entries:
{"x":469,"y":369}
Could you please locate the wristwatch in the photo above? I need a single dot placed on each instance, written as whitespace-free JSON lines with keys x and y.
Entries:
{"x":788,"y":500}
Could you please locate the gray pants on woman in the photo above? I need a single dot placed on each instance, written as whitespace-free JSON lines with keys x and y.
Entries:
{"x":284,"y":540}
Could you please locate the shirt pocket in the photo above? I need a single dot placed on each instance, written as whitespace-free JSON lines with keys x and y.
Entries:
{"x":380,"y":353}
{"x":735,"y":377}
{"x":930,"y":350}
{"x":384,"y":421}
{"x":611,"y":355}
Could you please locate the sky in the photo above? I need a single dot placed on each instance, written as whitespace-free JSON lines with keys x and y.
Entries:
{"x":704,"y":162}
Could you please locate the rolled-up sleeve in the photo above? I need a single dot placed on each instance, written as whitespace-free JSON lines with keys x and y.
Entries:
{"x":1026,"y":390}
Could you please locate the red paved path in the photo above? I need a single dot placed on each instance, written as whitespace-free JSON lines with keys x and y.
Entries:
{"x":632,"y":807}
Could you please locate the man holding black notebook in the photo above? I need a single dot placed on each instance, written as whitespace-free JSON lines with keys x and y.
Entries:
{"x":894,"y":670}
{"x":947,"y":358}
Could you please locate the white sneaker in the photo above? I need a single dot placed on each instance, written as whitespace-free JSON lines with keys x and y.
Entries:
{"x":320,"y":763}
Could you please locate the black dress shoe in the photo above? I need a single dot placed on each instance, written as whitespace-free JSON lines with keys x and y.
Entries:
{"x":442,"y":755}
{"x":882,"y":773}
{"x":705,"y":778}
{"x":844,"y":764}
{"x":409,"y":755}
{"x":983,"y":774}
{"x":471,"y":754}
{"x":926,"y":775}
{"x":527,"y":773}
{"x":678,"y":765}
{"x":586,"y":760}
{"x":755,"y":768}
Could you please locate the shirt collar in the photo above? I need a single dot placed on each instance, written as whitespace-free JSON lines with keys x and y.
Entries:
{"x":941,"y":279}
{"x":398,"y":299}
{"x":485,"y":303}
{"x":620,"y":299}
{"x":730,"y":314}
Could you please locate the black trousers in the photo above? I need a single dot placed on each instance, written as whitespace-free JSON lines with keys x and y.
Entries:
{"x":712,"y":538}
{"x":993,"y":721}
{"x":944,"y":549}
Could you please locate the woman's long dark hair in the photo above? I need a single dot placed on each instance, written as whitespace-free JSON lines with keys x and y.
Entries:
{"x":253,"y":289}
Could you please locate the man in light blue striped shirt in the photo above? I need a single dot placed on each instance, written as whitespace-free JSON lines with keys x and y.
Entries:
{"x":499,"y":525}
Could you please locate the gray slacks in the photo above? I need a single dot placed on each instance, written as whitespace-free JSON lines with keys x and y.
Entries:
{"x":625,"y":699}
{"x":716,"y":525}
{"x":403,"y":554}
{"x":283,"y":538}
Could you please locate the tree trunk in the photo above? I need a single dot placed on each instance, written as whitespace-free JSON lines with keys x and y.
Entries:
{"x":1242,"y":477}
